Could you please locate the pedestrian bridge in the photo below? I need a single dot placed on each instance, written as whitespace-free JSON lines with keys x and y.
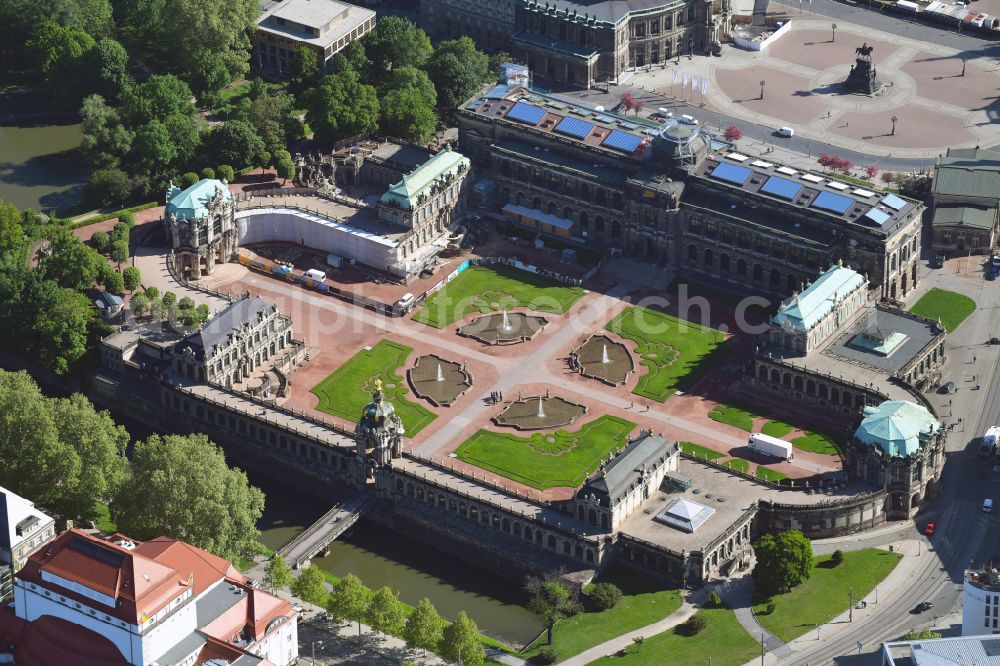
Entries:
{"x":324,"y":531}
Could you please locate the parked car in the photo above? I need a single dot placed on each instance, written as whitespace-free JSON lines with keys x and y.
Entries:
{"x":922,"y":607}
{"x":785,"y":132}
{"x":987,"y":505}
{"x":947,"y":387}
{"x":688,"y":120}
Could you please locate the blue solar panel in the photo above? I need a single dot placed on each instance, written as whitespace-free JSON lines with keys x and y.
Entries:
{"x":877,"y":216}
{"x":497,"y":92}
{"x":622,"y":141}
{"x":574,"y":127}
{"x":526,"y":113}
{"x":732,"y":173}
{"x":781,"y":187}
{"x":893,"y":202}
{"x":837,"y":203}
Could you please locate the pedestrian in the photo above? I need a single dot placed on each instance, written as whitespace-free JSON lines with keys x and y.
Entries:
{"x":501,"y":396}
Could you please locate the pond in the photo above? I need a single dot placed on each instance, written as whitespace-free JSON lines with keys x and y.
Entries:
{"x":41,"y":167}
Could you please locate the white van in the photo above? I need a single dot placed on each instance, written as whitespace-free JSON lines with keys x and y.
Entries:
{"x":315,"y":275}
{"x":786,"y":132}
{"x":688,"y":120}
{"x":987,"y":506}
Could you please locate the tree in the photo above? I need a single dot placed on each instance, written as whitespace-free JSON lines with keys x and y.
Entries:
{"x":871,"y":171}
{"x":551,"y":600}
{"x":235,"y":142}
{"x":107,"y":67}
{"x":783,"y":562}
{"x":59,"y":54}
{"x":604,"y":596}
{"x":152,"y":293}
{"x":341,"y":106}
{"x":305,"y":71}
{"x":154,"y":150}
{"x":114,"y":283}
{"x":715,"y":599}
{"x":132,"y":278}
{"x":199,"y":499}
{"x":460,"y":642}
{"x":169,"y":299}
{"x":101,"y":241}
{"x":284,"y":165}
{"x":406,"y":115}
{"x":207,"y":76}
{"x":465,"y":50}
{"x":11,"y":230}
{"x":411,"y":77}
{"x":693,"y":626}
{"x":277,"y":574}
{"x":455,"y":80}
{"x":385,"y":613}
{"x":310,"y":586}
{"x":207,"y":173}
{"x":225,"y":172}
{"x":349,"y":600}
{"x":888,"y":177}
{"x":627,"y":101}
{"x":69,"y":262}
{"x":109,"y":187}
{"x":837,"y":558}
{"x":119,"y":252}
{"x":186,"y":134}
{"x":140,"y":304}
{"x":274,"y":119}
{"x":733,"y":133}
{"x":98,"y":444}
{"x":201,"y":313}
{"x":106,"y":140}
{"x":497,"y":60}
{"x":159,"y":97}
{"x":188,"y":179}
{"x":921,"y":635}
{"x":424,"y":627}
{"x":62,"y":317}
{"x":395,"y":42}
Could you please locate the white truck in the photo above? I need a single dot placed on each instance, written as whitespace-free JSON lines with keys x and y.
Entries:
{"x":989,"y":441}
{"x":770,"y":446}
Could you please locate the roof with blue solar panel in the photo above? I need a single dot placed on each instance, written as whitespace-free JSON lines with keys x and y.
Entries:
{"x":622,"y":141}
{"x":526,"y":113}
{"x":574,"y":127}
{"x":801,"y":189}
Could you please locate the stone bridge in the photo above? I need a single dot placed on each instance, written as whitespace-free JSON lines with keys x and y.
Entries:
{"x":324,"y":531}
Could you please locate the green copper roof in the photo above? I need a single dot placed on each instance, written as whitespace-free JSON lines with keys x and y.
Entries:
{"x":806,"y":310}
{"x":192,"y":203}
{"x":406,"y":191}
{"x":898,"y":427}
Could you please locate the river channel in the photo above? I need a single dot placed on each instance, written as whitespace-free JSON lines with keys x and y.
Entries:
{"x":41,"y":167}
{"x":380,"y":557}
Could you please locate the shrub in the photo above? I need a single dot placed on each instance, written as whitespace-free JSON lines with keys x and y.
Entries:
{"x":169,"y":299}
{"x":604,"y":596}
{"x":152,"y":293}
{"x":545,"y":656}
{"x":188,"y":179}
{"x":769,"y":609}
{"x":888,"y":177}
{"x":733,"y":133}
{"x":120,"y":232}
{"x":716,"y":599}
{"x":101,"y":241}
{"x":186,"y":303}
{"x":119,"y":251}
{"x":127,"y":218}
{"x":694,"y":625}
{"x":109,"y":187}
{"x":208,"y":173}
{"x":114,"y":283}
{"x":132,"y":277}
{"x":225,"y":172}
{"x":837,"y":558}
{"x":871,"y":171}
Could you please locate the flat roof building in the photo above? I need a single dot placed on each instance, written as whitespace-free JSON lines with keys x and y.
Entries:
{"x":325,"y":26}
{"x":978,"y":650}
{"x":965,"y":195}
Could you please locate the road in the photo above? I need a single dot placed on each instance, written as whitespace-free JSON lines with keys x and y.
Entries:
{"x":965,"y":535}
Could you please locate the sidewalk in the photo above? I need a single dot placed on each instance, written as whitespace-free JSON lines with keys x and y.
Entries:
{"x":690,"y":606}
{"x":900,"y":577}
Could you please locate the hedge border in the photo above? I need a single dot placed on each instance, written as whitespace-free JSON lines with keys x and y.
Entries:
{"x":108,"y":216}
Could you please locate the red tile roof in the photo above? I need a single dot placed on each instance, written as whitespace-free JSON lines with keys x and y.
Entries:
{"x":52,"y":641}
{"x":186,"y":560}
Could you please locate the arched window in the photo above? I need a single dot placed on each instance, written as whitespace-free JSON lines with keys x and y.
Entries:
{"x":536,"y":203}
{"x":599,"y":224}
{"x":616,"y":229}
{"x":692,"y":252}
{"x":741,"y":267}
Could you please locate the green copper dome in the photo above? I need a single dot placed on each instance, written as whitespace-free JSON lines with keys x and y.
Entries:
{"x":898,"y":427}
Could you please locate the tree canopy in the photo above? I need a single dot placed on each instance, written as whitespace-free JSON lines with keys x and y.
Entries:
{"x":277,"y":574}
{"x":424,"y":627}
{"x":385,"y":613}
{"x":783,"y":562}
{"x":461,"y":641}
{"x":551,"y":600}
{"x":341,"y":106}
{"x":236,"y":142}
{"x":349,"y":600}
{"x":395,"y":42}
{"x":199,"y":499}
{"x":406,"y":115}
{"x":457,"y":69}
{"x":310,"y":586}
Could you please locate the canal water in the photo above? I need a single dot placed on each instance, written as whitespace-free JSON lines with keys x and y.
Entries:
{"x":380,"y":557}
{"x":41,"y":167}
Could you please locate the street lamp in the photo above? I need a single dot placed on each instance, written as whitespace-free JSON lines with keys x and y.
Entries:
{"x":834,"y":33}
{"x":894,"y":119}
{"x":963,"y":66}
{"x":762,"y":83}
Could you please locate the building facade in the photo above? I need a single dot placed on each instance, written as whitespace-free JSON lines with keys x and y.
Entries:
{"x":489,"y":24}
{"x":23,"y":530}
{"x":806,"y":320}
{"x":156,"y":602}
{"x":200,"y":223}
{"x":981,"y":602}
{"x":325,"y":27}
{"x":965,"y":196}
{"x":899,"y":446}
{"x":655,"y":191}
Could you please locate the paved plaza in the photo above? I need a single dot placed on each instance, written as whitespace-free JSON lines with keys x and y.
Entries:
{"x":935,"y":105}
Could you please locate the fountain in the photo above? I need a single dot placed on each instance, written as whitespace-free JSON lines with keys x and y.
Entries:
{"x":438,"y":380}
{"x":533,"y":413}
{"x":440,"y":375}
{"x":604,"y":355}
{"x":503,"y":327}
{"x":506,"y":323}
{"x":541,"y":408}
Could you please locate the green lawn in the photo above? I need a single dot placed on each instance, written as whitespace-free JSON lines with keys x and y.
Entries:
{"x":723,"y":640}
{"x":816,"y":443}
{"x":547,"y":460}
{"x":346,"y":391}
{"x":103,"y":520}
{"x":733,"y":416}
{"x":700,"y":451}
{"x":950,"y":307}
{"x":776,"y":428}
{"x":769,"y":474}
{"x":671,"y":349}
{"x":824,"y":595}
{"x":486,"y":289}
{"x":738,"y":464}
{"x":644,"y":602}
